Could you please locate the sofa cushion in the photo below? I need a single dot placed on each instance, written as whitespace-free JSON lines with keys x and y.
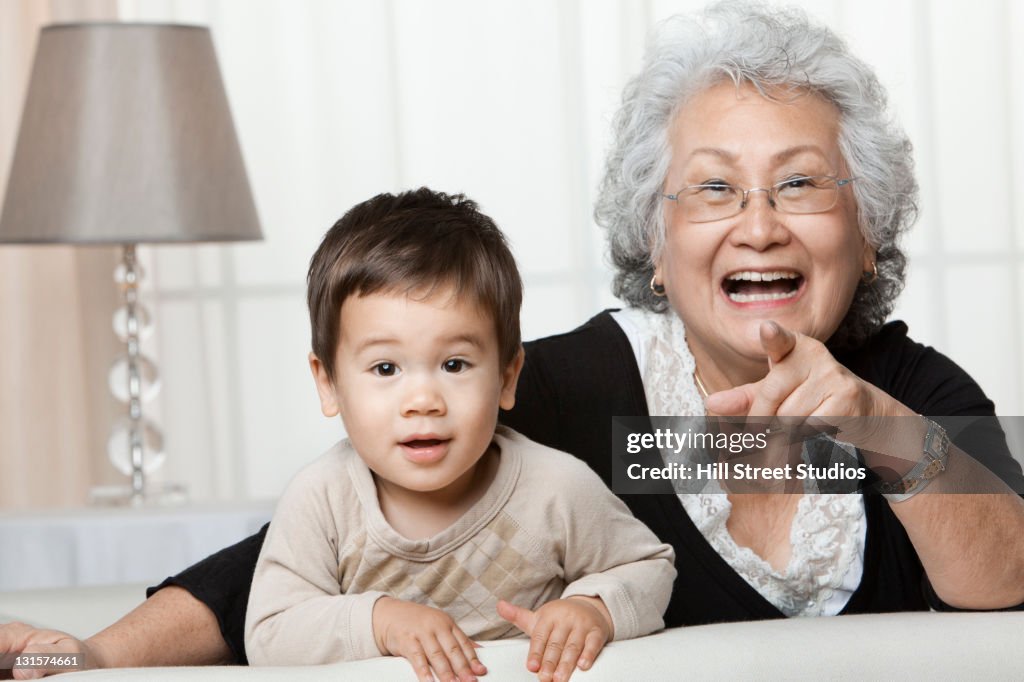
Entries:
{"x":896,"y":645}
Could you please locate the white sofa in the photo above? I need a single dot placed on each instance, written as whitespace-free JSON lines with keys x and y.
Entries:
{"x":986,"y":646}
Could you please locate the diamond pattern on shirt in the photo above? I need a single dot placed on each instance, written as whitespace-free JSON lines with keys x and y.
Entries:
{"x":467,"y":583}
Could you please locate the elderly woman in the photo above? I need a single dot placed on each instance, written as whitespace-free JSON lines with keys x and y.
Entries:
{"x":753,"y":201}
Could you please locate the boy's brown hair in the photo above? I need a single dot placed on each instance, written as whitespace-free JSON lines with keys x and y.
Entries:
{"x":413,"y":241}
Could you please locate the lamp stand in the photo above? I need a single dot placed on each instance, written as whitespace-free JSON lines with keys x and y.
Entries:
{"x":136,"y":444}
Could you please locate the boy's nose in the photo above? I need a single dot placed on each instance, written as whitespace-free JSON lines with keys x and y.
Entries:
{"x":423,"y":397}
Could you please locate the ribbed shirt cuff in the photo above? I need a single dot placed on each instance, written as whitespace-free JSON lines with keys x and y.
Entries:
{"x":616,"y":600}
{"x":358,"y":640}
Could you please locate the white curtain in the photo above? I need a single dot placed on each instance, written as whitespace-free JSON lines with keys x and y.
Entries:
{"x":510,"y":102}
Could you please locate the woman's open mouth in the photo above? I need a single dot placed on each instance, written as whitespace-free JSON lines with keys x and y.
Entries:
{"x":750,"y":286}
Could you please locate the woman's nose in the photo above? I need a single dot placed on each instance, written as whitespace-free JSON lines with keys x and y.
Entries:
{"x":759,"y":225}
{"x":423,"y":397}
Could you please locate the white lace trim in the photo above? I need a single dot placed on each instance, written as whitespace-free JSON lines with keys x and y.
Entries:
{"x":827,"y":535}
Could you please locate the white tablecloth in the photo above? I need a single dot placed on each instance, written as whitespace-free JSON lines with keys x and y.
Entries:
{"x":87,"y":547}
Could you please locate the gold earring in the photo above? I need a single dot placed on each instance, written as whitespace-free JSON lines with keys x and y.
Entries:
{"x":657,"y":289}
{"x":870,"y":278}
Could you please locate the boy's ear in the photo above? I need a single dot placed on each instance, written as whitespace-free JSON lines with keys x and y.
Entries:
{"x":509,"y":380}
{"x":324,"y":387}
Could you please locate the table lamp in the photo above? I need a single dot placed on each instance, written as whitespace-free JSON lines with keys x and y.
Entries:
{"x":126,"y":138}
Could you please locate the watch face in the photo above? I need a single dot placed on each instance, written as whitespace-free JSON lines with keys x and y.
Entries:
{"x":933,"y":463}
{"x":936,"y":442}
{"x":934,"y":468}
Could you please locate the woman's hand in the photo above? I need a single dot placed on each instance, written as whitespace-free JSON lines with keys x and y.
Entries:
{"x":428,"y":638}
{"x":803,"y":380}
{"x":564,"y":634}
{"x":970,"y":561}
{"x":25,"y":640}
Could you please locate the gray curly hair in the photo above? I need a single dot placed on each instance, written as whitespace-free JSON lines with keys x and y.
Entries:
{"x":773,"y":49}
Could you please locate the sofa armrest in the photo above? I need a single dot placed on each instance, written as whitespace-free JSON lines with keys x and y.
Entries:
{"x":922,"y":645}
{"x":884,"y":646}
{"x":80,"y":611}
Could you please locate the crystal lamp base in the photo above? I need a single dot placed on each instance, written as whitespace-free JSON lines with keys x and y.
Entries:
{"x":154,"y":495}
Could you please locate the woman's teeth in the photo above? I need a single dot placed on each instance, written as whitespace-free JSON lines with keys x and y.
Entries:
{"x":753,"y":276}
{"x":750,"y":298}
{"x":751,"y":286}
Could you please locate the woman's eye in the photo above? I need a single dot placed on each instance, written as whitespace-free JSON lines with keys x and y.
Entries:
{"x":385,"y":369}
{"x":798,"y":182}
{"x":455,"y":365}
{"x":715,"y":186}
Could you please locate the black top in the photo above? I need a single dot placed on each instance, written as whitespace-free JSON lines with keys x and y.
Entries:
{"x":571,"y":386}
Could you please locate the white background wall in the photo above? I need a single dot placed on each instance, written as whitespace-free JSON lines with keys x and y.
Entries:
{"x":510,"y":102}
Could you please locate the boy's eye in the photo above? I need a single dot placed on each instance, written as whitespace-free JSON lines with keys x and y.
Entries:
{"x":385,"y":369}
{"x":455,"y":365}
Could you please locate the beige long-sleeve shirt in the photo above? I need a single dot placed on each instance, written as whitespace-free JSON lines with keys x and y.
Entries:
{"x":546,"y":528}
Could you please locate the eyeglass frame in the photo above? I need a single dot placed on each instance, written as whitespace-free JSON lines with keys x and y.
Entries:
{"x":773,"y":194}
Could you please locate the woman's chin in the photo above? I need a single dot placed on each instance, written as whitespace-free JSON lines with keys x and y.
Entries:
{"x":740,"y":349}
{"x":746,"y":327}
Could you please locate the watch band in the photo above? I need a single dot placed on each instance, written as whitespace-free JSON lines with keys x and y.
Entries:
{"x":933,"y":463}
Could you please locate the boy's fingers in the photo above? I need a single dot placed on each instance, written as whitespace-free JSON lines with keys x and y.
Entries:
{"x":469,"y":648}
{"x":418,"y":659}
{"x":538,"y":643}
{"x":570,"y":654}
{"x":438,"y":657}
{"x":592,"y":646}
{"x":524,"y":619}
{"x":553,"y":653}
{"x":456,"y":656}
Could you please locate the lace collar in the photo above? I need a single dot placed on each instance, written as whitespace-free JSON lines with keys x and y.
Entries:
{"x":828,"y":531}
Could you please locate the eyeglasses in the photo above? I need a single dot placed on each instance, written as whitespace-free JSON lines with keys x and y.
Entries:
{"x":720,"y":200}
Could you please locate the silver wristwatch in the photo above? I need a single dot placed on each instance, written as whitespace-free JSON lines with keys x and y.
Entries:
{"x":933,"y":463}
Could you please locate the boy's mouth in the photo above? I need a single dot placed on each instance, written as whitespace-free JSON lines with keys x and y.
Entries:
{"x":422,"y":442}
{"x":425,"y":449}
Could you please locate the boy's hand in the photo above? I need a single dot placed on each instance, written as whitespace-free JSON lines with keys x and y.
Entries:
{"x":564,"y":634}
{"x":428,"y":638}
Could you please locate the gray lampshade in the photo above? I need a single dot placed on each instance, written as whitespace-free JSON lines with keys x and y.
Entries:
{"x":127,"y":137}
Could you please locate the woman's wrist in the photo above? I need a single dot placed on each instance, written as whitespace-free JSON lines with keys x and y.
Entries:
{"x":904,"y":448}
{"x":98,"y":653}
{"x":932,"y":463}
{"x":887,"y":433}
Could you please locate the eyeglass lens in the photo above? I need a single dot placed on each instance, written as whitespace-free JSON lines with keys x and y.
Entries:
{"x":706,"y":203}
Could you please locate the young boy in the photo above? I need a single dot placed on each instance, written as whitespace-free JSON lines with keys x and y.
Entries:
{"x":418,"y":533}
